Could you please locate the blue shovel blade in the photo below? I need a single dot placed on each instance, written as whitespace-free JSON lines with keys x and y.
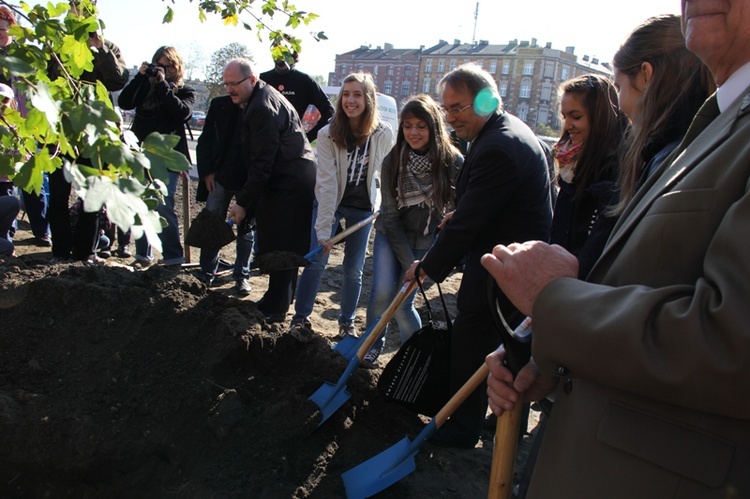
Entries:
{"x":329,"y":398}
{"x":348,"y":346}
{"x":385,"y":469}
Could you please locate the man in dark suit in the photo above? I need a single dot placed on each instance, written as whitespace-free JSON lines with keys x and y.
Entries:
{"x":651,"y":354}
{"x":502,"y":194}
{"x":223,"y":174}
{"x":280,"y":186}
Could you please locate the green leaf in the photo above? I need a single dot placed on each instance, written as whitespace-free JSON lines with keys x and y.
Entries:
{"x":160,"y":153}
{"x":45,"y":103}
{"x":76,"y":55}
{"x":169,"y":16}
{"x":31,"y":174}
{"x":36,"y":124}
{"x":16,"y":66}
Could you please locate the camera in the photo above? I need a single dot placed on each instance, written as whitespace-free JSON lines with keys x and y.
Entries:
{"x":152,"y":70}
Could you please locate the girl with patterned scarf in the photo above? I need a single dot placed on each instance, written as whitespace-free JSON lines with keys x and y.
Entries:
{"x":417,"y":192}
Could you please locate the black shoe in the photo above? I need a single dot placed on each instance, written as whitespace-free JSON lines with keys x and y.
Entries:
{"x":123,"y":252}
{"x":453,"y":436}
{"x":43,"y":241}
{"x":205,"y":277}
{"x":105,"y":254}
{"x":242,"y":286}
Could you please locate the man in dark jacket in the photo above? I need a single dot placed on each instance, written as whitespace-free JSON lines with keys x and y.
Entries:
{"x":280,"y":185}
{"x":222,"y":169}
{"x":301,"y":90}
{"x":502,"y":194}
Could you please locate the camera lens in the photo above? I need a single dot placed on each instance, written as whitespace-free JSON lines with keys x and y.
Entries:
{"x":151,"y":70}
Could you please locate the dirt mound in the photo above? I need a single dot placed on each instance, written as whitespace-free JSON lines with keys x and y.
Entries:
{"x":145,"y":384}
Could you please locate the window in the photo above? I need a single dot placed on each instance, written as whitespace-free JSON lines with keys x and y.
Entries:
{"x":405,"y":88}
{"x":549,"y":70}
{"x":503,"y":89}
{"x":361,"y":68}
{"x":546,"y":91}
{"x":390,"y":70}
{"x":480,"y":63}
{"x":523,"y":113}
{"x":426,"y":86}
{"x":388,"y":88}
{"x":493,"y":67}
{"x":407,"y":71}
{"x":564,"y":73}
{"x":428,"y":66}
{"x":453,"y":65}
{"x":528,"y":68}
{"x":542,"y":116}
{"x":506,"y":67}
{"x":525,"y":92}
{"x":343,"y":69}
{"x":441,"y":66}
{"x":375,"y":70}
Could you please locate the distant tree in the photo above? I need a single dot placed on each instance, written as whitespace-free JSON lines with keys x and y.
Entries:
{"x":215,"y":69}
{"x":322,"y":81}
{"x":545,"y":130}
{"x":194,"y":59}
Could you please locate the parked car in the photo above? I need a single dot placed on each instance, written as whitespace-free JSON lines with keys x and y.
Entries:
{"x":198,"y":119}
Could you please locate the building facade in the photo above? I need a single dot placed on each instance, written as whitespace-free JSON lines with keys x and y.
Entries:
{"x":528,"y":75}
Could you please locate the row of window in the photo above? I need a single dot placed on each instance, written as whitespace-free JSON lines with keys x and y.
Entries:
{"x":361,"y":69}
{"x":528,"y":68}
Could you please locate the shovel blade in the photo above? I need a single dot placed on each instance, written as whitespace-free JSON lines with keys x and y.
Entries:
{"x":381,"y":471}
{"x":348,"y":346}
{"x":329,"y":398}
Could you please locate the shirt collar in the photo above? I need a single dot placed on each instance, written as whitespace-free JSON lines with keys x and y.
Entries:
{"x":735,"y":85}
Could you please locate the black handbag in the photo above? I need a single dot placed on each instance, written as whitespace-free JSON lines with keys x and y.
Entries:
{"x":418,"y":375}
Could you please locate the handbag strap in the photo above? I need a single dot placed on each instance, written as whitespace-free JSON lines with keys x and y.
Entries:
{"x":442,"y":300}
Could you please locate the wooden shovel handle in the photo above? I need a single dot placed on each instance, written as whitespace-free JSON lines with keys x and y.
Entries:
{"x":504,"y":454}
{"x":373,"y":335}
{"x":341,"y":235}
{"x":462,"y":394}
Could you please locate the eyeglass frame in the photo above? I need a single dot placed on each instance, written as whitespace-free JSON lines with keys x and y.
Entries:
{"x":454,"y":111}
{"x":229,"y":84}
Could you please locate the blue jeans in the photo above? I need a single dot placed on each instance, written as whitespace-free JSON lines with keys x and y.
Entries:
{"x":36,"y":209}
{"x":218,"y":202}
{"x":169,"y":235}
{"x":387,"y":280}
{"x":354,"y":259}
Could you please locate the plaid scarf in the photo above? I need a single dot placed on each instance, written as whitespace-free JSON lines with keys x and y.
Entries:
{"x":567,"y":154}
{"x":415,"y":181}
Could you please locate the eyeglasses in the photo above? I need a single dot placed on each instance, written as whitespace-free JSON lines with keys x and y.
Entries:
{"x":454,"y":111}
{"x":232,"y":84}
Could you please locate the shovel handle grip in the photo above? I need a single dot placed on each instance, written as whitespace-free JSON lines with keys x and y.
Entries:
{"x":462,"y":394}
{"x":384,"y":319}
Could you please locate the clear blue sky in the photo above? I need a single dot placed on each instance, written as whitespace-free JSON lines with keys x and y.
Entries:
{"x":594,"y":27}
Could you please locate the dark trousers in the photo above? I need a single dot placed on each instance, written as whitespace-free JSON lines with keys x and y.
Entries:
{"x":474,"y":336}
{"x":65,"y":243}
{"x":277,"y":299}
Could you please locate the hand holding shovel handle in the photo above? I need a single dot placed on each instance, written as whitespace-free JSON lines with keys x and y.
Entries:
{"x":341,"y":235}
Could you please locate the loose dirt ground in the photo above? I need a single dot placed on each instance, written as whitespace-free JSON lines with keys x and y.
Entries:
{"x":136,"y":384}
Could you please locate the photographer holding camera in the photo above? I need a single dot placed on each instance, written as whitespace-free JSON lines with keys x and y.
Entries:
{"x":162,"y":104}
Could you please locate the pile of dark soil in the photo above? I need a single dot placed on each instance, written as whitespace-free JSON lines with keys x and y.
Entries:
{"x":144,"y":384}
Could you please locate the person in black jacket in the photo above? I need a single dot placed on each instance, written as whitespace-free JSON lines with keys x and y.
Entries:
{"x":301,"y":90}
{"x":162,"y":104}
{"x":502,"y":194}
{"x":222,"y":169}
{"x":279,"y":190}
